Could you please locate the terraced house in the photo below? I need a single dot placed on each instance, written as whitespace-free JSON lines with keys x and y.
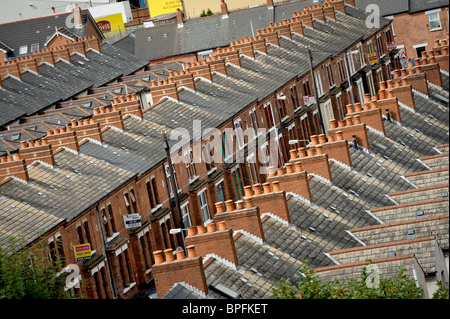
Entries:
{"x":360,"y":173}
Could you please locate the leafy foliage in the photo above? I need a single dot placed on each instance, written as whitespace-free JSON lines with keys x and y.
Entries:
{"x":30,"y":273}
{"x":207,"y":13}
{"x":311,"y":287}
{"x":442,"y":292}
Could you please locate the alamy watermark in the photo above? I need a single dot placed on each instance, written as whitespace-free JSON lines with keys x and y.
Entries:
{"x":373,"y":19}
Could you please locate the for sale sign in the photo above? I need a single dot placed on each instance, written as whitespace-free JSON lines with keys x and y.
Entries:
{"x":82,"y":252}
{"x":373,"y":58}
{"x":132,"y":220}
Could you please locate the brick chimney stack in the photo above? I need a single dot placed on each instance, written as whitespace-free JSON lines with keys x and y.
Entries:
{"x":349,"y":127}
{"x":77,"y":17}
{"x":87,"y":128}
{"x":109,"y":116}
{"x":313,"y":159}
{"x":216,"y":239}
{"x":13,"y":166}
{"x":180,"y":17}
{"x":241,"y":218}
{"x":128,"y":104}
{"x":294,"y":180}
{"x":272,"y":200}
{"x":63,"y":137}
{"x":336,"y":148}
{"x":224,"y":9}
{"x":39,"y":150}
{"x":167,"y":271}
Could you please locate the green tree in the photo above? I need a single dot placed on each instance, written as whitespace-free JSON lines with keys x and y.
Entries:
{"x":442,"y":292}
{"x":30,"y":272}
{"x":311,"y":287}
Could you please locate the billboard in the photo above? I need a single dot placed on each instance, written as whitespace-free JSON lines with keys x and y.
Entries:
{"x":111,"y":25}
{"x":158,"y":7}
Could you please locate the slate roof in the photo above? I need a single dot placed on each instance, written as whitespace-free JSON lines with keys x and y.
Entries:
{"x":42,"y":29}
{"x":211,"y":32}
{"x":388,"y":8}
{"x":53,"y":84}
{"x":318,"y":227}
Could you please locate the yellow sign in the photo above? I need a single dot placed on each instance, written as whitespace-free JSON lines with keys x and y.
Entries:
{"x":82,"y":252}
{"x":158,"y":7}
{"x":110,"y":25}
{"x":373,"y":58}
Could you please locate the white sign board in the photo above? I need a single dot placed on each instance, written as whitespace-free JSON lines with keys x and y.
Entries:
{"x":309,"y":100}
{"x":132,"y":220}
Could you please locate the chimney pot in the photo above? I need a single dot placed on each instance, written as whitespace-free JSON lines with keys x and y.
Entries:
{"x":257,"y":189}
{"x":248,"y":202}
{"x":358,"y":107}
{"x":266,"y":187}
{"x":180,"y":255}
{"x":322,"y":139}
{"x":280,"y":172}
{"x":293,"y":154}
{"x":201,"y":229}
{"x":219,"y":207}
{"x":310,"y":152}
{"x":356,"y":119}
{"x":191,"y":251}
{"x":248,"y":191}
{"x":319,"y":150}
{"x":23,"y":144}
{"x":333,"y":123}
{"x":314,"y":140}
{"x":276,"y":187}
{"x":239,"y":205}
{"x":349,"y":108}
{"x":192,"y":231}
{"x":301,"y":152}
{"x":168,"y":253}
{"x":390,"y":94}
{"x":289,"y":168}
{"x":229,"y":204}
{"x":222,"y":225}
{"x":298,"y":167}
{"x":389,"y":84}
{"x":158,"y":256}
{"x":331,"y":138}
{"x":339,"y":136}
{"x":272,"y":171}
{"x":211,"y":227}
{"x":348,"y":121}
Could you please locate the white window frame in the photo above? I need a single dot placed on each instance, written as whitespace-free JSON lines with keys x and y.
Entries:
{"x":268,"y":105}
{"x":251,"y":164}
{"x":360,"y":86}
{"x":369,"y":77}
{"x":432,"y":13}
{"x":23,"y":49}
{"x":200,"y":194}
{"x":237,"y":125}
{"x":362,"y":61}
{"x":190,"y":166}
{"x":169,"y":182}
{"x":185,"y":212}
{"x":319,"y":86}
